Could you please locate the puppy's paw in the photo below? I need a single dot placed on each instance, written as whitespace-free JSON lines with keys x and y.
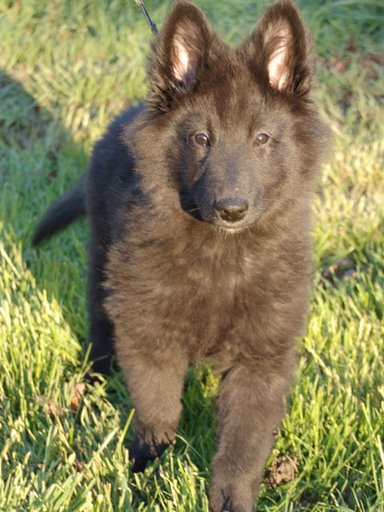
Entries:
{"x":141,"y":453}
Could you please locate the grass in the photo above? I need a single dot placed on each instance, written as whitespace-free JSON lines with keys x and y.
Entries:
{"x":67,"y":67}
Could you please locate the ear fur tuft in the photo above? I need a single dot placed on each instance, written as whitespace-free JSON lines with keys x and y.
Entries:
{"x":180,"y":52}
{"x":282,"y":50}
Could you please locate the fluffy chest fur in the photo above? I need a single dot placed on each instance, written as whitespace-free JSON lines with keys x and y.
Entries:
{"x":210,"y":291}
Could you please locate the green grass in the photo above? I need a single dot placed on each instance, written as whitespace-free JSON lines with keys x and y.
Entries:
{"x":67,"y":67}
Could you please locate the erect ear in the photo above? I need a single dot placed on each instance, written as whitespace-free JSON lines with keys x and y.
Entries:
{"x":181,"y":49}
{"x":283,"y":50}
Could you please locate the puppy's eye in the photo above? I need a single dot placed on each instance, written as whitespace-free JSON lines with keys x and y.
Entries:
{"x":201,"y":139}
{"x":261,"y":138}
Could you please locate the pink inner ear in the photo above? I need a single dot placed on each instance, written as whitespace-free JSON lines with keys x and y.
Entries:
{"x":184,"y":63}
{"x":180,"y":62}
{"x":279,"y":62}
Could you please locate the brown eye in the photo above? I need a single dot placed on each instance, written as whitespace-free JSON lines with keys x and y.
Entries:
{"x":261,"y":138}
{"x":201,"y":139}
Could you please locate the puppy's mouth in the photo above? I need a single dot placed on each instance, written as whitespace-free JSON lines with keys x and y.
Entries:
{"x":230,"y":229}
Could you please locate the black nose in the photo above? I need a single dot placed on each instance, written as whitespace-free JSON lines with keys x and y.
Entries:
{"x":232,"y":209}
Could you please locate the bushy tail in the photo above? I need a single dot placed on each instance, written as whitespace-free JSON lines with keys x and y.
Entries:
{"x":63,"y":212}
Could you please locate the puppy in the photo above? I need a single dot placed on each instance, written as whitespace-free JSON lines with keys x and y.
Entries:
{"x":199,"y":202}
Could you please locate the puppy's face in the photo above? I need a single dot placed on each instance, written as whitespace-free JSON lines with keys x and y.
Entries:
{"x":240,"y":157}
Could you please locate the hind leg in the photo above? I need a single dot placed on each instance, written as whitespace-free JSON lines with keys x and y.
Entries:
{"x":155,"y":383}
{"x":251,"y":405}
{"x":101,"y":328}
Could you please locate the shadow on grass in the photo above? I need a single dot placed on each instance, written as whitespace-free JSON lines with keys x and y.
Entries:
{"x":42,"y":161}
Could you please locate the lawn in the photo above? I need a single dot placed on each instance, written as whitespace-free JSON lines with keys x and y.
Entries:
{"x":66,"y":68}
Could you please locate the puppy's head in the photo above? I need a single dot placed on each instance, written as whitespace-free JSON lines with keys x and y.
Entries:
{"x":234,"y":130}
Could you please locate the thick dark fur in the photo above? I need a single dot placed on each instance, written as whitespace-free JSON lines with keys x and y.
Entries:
{"x":200,"y":245}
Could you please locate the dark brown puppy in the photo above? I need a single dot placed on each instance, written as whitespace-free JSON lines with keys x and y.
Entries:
{"x":199,"y":204}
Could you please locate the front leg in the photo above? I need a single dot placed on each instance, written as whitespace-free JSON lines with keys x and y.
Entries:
{"x":251,"y":405}
{"x":155,"y":382}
